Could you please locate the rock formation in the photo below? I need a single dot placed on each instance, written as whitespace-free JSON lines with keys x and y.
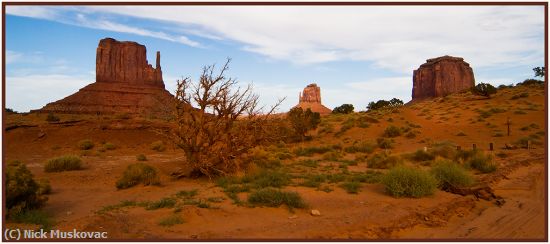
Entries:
{"x":311,"y":98}
{"x":442,"y":76}
{"x":125,"y":83}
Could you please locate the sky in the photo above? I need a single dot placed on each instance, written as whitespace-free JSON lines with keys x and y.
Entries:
{"x":356,"y":54}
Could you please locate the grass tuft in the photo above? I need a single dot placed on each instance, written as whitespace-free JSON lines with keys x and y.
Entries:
{"x":138,"y":173}
{"x":63,"y":163}
{"x":409,"y":182}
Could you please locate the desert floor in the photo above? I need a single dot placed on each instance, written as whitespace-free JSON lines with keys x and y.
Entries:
{"x":87,"y":199}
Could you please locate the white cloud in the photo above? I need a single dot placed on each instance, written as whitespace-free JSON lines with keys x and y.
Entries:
{"x":398,"y":38}
{"x":19,"y":57}
{"x":23,"y":89}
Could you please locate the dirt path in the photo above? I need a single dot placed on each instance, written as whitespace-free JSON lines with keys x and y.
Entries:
{"x":521,"y":217}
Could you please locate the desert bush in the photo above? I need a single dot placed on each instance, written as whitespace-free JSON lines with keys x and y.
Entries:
{"x":384,"y":143}
{"x":138,"y":173}
{"x":109,"y":146}
{"x":383,"y":161}
{"x":461,"y":134}
{"x":482,"y":162}
{"x":218,"y":122}
{"x":392,"y":131}
{"x":412,"y":134}
{"x":368,"y":177}
{"x":44,"y":187}
{"x":158,"y":146}
{"x":303,"y":121}
{"x":314,"y":180}
{"x":171,"y":220}
{"x":521,"y":95}
{"x":451,"y":175}
{"x":85,"y":144}
{"x":309,"y":151}
{"x":409,"y":182}
{"x":271,"y":197}
{"x":443,"y":149}
{"x":141,"y":157}
{"x":267,"y":178}
{"x":122,"y":116}
{"x":484,"y":89}
{"x":351,"y":187}
{"x":343,"y":109}
{"x":422,"y":156}
{"x":22,"y":191}
{"x":166,"y":202}
{"x":63,"y":163}
{"x":531,"y":82}
{"x":362,"y":147}
{"x":381,"y":104}
{"x":52,"y":118}
{"x":35,"y":217}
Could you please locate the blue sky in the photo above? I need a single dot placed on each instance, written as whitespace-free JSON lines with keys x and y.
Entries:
{"x":356,"y":54}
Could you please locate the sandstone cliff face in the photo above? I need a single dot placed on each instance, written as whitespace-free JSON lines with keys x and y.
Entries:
{"x":126,"y":62}
{"x":442,"y":76}
{"x":311,"y":98}
{"x":125,"y":83}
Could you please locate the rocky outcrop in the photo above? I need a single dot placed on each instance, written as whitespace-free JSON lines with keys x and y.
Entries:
{"x":442,"y":76}
{"x":125,"y":83}
{"x":126,"y":62}
{"x":311,"y":98}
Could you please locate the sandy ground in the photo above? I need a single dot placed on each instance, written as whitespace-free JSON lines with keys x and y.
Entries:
{"x":371,"y":214}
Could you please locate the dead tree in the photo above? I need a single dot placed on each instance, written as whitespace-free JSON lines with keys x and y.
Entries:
{"x":217,"y":122}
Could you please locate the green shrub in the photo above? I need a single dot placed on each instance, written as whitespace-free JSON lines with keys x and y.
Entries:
{"x":141,"y":157}
{"x":383,"y":161}
{"x":392,"y":131}
{"x":267,"y":178}
{"x":187,"y":194}
{"x":52,"y":118}
{"x":158,"y":146}
{"x":451,"y":175}
{"x":482,"y":162}
{"x":44,"y":187}
{"x":171,"y":220}
{"x":409,"y":182}
{"x":85,"y":144}
{"x":22,"y":191}
{"x":309,"y":151}
{"x":138,"y":173}
{"x":344,"y":109}
{"x":422,"y":156}
{"x":109,"y":146}
{"x":484,"y":89}
{"x":384,"y":143}
{"x":314,"y":180}
{"x":273,"y":198}
{"x":443,"y":149}
{"x":351,"y":187}
{"x":166,"y":202}
{"x":63,"y":163}
{"x":362,"y":147}
{"x":35,"y":217}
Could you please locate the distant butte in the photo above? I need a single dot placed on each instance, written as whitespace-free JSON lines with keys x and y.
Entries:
{"x":125,"y":83}
{"x":311,"y":98}
{"x":442,"y":76}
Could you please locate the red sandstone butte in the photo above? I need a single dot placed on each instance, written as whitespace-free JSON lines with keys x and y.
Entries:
{"x":125,"y":83}
{"x":311,"y":98}
{"x":442,"y":76}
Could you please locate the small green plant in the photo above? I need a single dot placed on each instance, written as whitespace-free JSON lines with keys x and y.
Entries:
{"x":109,"y":146}
{"x":409,"y":182}
{"x":52,"y":118}
{"x":63,"y":163}
{"x":383,"y":161}
{"x":482,"y":162}
{"x":422,"y":156}
{"x":85,"y":144}
{"x":271,"y":197}
{"x":166,"y":202}
{"x":22,"y":191}
{"x":314,"y":180}
{"x":351,"y":187}
{"x":36,"y":217}
{"x":141,"y":157}
{"x":138,"y":173}
{"x":392,"y":131}
{"x":384,"y":143}
{"x":158,"y":146}
{"x":44,"y":187}
{"x":171,"y":220}
{"x":451,"y":175}
{"x":484,"y":89}
{"x":362,"y":147}
{"x":187,"y":194}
